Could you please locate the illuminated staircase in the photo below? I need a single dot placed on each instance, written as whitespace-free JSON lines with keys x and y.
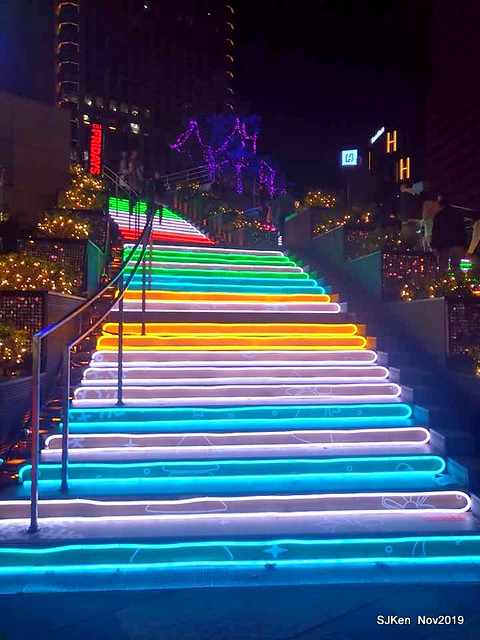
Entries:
{"x":257,"y":430}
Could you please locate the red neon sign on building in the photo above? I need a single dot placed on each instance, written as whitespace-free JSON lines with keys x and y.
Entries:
{"x":96,"y":149}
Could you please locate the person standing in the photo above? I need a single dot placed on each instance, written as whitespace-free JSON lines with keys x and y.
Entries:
{"x":135,"y":179}
{"x":410,"y":214}
{"x":123,"y":169}
{"x":154,"y":195}
{"x":448,"y":236}
{"x":283,"y":206}
{"x":430,"y":208}
{"x":475,"y":239}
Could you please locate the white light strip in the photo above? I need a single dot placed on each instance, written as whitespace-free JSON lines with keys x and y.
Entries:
{"x":300,"y":437}
{"x":358,"y":358}
{"x":234,"y":307}
{"x":224,"y":267}
{"x":212,"y":249}
{"x":220,"y":506}
{"x":225,"y":391}
{"x":238,"y":375}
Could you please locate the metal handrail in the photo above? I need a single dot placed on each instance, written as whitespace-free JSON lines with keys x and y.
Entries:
{"x":202,"y":171}
{"x":36,"y":364}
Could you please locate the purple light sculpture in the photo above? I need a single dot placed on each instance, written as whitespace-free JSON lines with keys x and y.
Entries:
{"x":266,"y":173}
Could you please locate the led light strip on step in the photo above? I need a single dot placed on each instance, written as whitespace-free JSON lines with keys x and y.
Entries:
{"x":84,"y":558}
{"x":253,"y":440}
{"x":375,"y":467}
{"x":234,"y":375}
{"x":103,"y":420}
{"x":294,"y":359}
{"x":215,"y":266}
{"x":166,"y":237}
{"x":286,"y":507}
{"x":229,"y":307}
{"x":235,"y":343}
{"x":220,"y":391}
{"x":234,"y":328}
{"x":220,"y":297}
{"x":214,"y":251}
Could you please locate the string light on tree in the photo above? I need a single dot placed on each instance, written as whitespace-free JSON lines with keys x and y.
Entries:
{"x":27,"y":273}
{"x":13,"y":348}
{"x":64,"y":226}
{"x":320,"y":199}
{"x":83,"y":191}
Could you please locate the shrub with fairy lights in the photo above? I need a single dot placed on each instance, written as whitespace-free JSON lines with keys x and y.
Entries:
{"x":320,"y":199}
{"x":27,"y":273}
{"x":68,"y":225}
{"x":459,"y":285}
{"x":84,"y":190}
{"x":13,"y":348}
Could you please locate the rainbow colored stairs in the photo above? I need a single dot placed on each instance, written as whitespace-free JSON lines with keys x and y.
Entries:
{"x":257,"y":430}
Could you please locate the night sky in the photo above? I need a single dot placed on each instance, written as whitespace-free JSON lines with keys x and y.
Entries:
{"x":329,"y":83}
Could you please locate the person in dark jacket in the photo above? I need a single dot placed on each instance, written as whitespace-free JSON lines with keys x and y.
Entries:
{"x":448,"y":236}
{"x":135,"y":179}
{"x":410,"y":214}
{"x":154,"y":195}
{"x":283,"y":206}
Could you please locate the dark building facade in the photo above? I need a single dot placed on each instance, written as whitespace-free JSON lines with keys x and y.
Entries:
{"x":27,"y":49}
{"x":453,"y":125}
{"x":142,"y":68}
{"x":34,"y":156}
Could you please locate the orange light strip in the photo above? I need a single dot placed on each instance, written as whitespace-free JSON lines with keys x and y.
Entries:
{"x":238,"y":330}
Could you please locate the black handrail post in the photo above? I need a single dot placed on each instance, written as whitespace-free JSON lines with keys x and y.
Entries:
{"x":35,"y":431}
{"x":144,"y":293}
{"x":120,"y":346}
{"x":150,"y":241}
{"x":65,"y":426}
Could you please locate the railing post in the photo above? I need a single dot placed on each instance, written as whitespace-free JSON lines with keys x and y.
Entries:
{"x":150,"y":240}
{"x":66,"y":406}
{"x":120,"y":346}
{"x":144,"y":286}
{"x":35,"y":428}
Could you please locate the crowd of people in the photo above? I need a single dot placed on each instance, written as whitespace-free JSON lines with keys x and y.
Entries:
{"x":154,"y":190}
{"x":430,"y":222}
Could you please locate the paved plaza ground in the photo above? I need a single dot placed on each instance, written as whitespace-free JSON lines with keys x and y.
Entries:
{"x":326,"y":612}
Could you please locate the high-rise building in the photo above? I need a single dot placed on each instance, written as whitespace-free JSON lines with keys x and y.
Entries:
{"x":26,"y":48}
{"x":453,"y":139}
{"x":142,"y":68}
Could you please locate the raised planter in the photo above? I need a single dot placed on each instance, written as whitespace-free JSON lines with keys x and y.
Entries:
{"x":33,"y":310}
{"x":15,"y":402}
{"x":81,"y":257}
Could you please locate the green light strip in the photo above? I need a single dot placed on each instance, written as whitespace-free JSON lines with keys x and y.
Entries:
{"x":123,"y":205}
{"x":214,"y":258}
{"x":213,"y":273}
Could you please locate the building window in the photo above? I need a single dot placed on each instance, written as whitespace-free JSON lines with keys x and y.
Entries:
{"x":135,"y":127}
{"x":86,"y":118}
{"x":99,"y":102}
{"x":123,"y":108}
{"x":147,"y":114}
{"x":134,"y":111}
{"x":113,"y":105}
{"x":88,"y":101}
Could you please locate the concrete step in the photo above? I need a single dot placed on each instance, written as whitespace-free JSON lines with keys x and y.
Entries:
{"x":413,"y":376}
{"x":394,"y":358}
{"x":422,"y":394}
{"x":452,"y":441}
